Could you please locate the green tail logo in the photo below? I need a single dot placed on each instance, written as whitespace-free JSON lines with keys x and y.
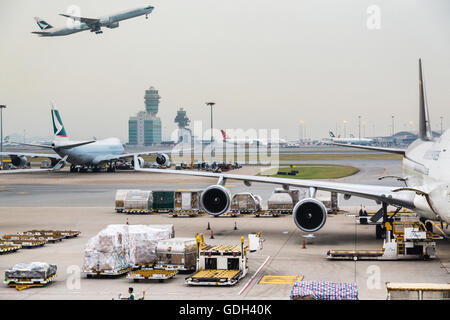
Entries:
{"x":58,"y":127}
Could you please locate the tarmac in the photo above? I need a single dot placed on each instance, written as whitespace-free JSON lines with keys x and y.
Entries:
{"x":85,"y":202}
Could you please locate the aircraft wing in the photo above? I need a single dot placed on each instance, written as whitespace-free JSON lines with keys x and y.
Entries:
{"x":381,"y":149}
{"x":88,"y":21}
{"x":31,"y":155}
{"x":391,"y":195}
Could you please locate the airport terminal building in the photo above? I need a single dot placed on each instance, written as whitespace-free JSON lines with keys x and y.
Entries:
{"x":144,"y":129}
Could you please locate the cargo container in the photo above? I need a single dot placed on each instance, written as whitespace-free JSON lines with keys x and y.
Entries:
{"x":187,"y":201}
{"x":120,"y":199}
{"x":177,"y":254}
{"x":138,"y":200}
{"x":163,"y":201}
{"x":246,"y":202}
{"x":280,"y":203}
{"x":296,"y":194}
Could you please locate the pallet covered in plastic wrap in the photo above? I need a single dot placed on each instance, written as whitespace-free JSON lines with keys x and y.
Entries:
{"x":143,"y":242}
{"x":33,"y":270}
{"x":324,"y":290}
{"x":119,"y":247}
{"x":108,"y":250}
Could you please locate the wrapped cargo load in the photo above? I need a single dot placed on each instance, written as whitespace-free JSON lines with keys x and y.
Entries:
{"x":108,"y":250}
{"x":143,"y":242}
{"x":138,"y":200}
{"x":246,"y":202}
{"x":118,"y":247}
{"x":168,"y":227}
{"x":323,"y":290}
{"x":33,"y":270}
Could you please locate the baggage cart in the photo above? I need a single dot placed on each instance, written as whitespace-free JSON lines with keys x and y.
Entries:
{"x":155,"y":274}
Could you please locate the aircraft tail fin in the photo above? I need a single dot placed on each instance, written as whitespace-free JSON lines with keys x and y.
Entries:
{"x":424,"y":118}
{"x":42,"y":24}
{"x":332,"y":134}
{"x":224,"y":135}
{"x":58,"y":127}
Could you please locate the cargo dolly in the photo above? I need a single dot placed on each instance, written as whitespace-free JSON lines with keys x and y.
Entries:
{"x":8,"y":248}
{"x":25,"y":283}
{"x":53,"y":239}
{"x":219,"y":265}
{"x":24,"y":243}
{"x":404,"y":240}
{"x":63,"y":233}
{"x":156,"y":274}
{"x":106,"y":272}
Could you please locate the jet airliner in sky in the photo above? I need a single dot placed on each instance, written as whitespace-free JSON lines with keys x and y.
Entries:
{"x":92,"y":24}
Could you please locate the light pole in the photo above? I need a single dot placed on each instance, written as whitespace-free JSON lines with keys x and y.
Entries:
{"x":442,"y":128}
{"x":359,"y":124}
{"x":211,"y":104}
{"x":1,"y":135}
{"x":345,"y":128}
{"x":393,"y":125}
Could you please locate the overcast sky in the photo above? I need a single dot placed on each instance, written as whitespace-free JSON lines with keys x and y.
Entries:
{"x":266,"y":64}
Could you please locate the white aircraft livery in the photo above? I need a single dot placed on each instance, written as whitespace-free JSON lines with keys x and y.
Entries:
{"x":82,"y":155}
{"x":351,"y":140}
{"x":92,"y":24}
{"x":426,"y":174}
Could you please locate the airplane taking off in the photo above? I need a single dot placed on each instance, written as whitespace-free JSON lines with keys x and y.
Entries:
{"x":426,"y":174}
{"x":351,"y":140}
{"x":82,"y":155}
{"x":94,"y":25}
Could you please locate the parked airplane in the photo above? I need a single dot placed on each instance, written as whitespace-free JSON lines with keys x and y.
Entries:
{"x":426,"y":174}
{"x":82,"y":155}
{"x":250,"y":141}
{"x":94,"y":25}
{"x":351,"y":140}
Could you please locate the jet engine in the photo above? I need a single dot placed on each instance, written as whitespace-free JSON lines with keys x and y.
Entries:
{"x":309,"y":215}
{"x":141,"y":161}
{"x":19,"y":161}
{"x":163,"y":160}
{"x":112,"y":25}
{"x":215,"y":200}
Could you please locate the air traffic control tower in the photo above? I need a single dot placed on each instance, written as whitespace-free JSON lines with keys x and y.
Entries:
{"x":145,"y":128}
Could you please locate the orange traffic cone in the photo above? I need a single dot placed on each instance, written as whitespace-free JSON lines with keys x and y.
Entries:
{"x":209,"y":227}
{"x":304,"y":244}
{"x":212,"y":235}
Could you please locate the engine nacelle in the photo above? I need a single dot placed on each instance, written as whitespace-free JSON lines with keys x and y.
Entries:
{"x":19,"y":161}
{"x":309,"y":215}
{"x":112,"y":25}
{"x":141,"y":161}
{"x":215,"y":200}
{"x":163,"y":159}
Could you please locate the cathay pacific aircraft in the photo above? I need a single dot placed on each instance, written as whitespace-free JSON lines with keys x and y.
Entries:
{"x":82,"y":155}
{"x":92,"y":24}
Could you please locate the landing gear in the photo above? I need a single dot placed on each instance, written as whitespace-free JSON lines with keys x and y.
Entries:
{"x":95,"y":169}
{"x":429,"y":226}
{"x":111,"y":168}
{"x":98,"y":32}
{"x":74,"y":168}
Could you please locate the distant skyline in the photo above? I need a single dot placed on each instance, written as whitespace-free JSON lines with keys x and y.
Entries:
{"x":265,"y":64}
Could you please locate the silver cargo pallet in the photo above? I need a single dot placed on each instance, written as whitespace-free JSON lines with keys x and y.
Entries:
{"x":108,"y":273}
{"x":25,"y":283}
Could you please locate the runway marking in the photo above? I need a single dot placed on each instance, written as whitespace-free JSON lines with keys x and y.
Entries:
{"x":253,"y":277}
{"x":280,"y":279}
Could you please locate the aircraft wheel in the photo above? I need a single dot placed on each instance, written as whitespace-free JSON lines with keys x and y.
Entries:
{"x":429,"y":226}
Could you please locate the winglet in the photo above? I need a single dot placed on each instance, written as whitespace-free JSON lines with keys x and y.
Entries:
{"x":424,"y":120}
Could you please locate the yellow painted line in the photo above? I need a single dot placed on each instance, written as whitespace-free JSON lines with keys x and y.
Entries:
{"x":280,"y":279}
{"x":229,"y":185}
